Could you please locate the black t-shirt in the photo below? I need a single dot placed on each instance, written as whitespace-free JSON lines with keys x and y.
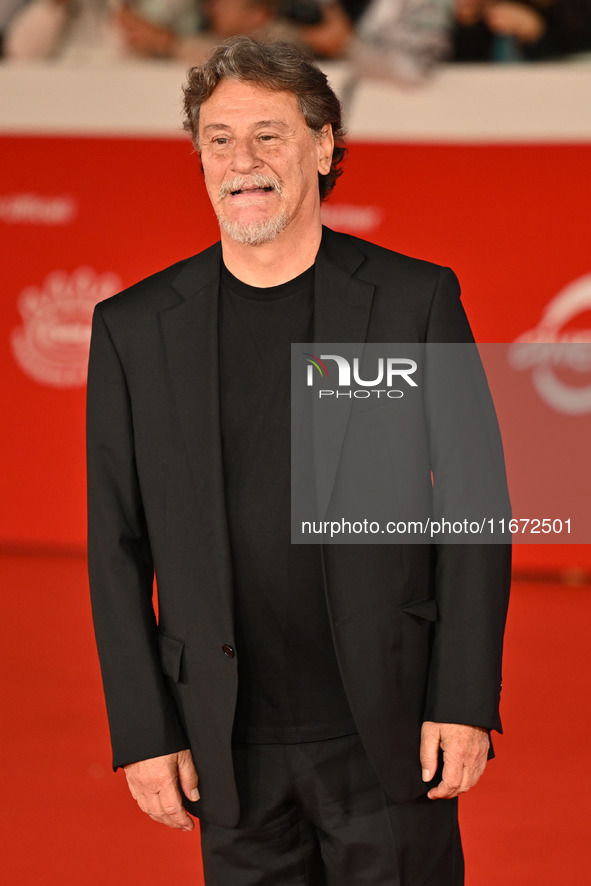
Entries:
{"x":289,"y":685}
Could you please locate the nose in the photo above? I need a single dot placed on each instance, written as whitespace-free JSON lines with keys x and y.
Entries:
{"x":245,"y":157}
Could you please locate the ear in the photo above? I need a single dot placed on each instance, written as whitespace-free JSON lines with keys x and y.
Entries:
{"x":325,"y":144}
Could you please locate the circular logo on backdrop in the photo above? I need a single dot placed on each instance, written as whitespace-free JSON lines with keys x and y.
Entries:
{"x":52,"y":344}
{"x":558,"y":353}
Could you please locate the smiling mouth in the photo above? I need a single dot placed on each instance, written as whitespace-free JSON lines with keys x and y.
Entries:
{"x":251,"y":186}
{"x":252,"y":191}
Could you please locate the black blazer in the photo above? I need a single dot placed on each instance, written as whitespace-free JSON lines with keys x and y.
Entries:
{"x":417,"y":628}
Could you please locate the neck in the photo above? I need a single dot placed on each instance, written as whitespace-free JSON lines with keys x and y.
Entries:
{"x":270,"y":264}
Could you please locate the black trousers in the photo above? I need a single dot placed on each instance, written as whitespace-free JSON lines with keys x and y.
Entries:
{"x":314,"y":814}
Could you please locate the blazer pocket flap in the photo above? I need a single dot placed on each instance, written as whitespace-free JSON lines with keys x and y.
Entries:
{"x":171,"y":653}
{"x":426,"y":609}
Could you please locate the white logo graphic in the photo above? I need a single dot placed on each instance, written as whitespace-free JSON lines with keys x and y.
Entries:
{"x":346,"y":217}
{"x":388,"y":370}
{"x":548,"y":348}
{"x":52,"y":345}
{"x":37,"y":209}
{"x":394,"y":366}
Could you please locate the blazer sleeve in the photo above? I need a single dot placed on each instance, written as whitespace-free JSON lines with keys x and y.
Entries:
{"x":143,"y":719}
{"x":471,"y":580}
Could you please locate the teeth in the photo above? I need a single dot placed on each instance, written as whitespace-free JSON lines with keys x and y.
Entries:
{"x":246,"y":190}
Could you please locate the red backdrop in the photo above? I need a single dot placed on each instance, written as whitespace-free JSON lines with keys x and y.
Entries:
{"x":82,"y":217}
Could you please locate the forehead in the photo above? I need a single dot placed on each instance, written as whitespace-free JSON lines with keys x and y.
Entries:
{"x":235,"y":102}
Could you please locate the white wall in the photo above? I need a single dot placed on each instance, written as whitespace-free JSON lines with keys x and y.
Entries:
{"x":543,"y":102}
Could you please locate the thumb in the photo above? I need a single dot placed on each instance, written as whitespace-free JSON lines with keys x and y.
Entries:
{"x":429,"y":750}
{"x":188,"y":775}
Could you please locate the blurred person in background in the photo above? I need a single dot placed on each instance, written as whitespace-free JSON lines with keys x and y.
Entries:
{"x":185,"y":30}
{"x":401,"y":40}
{"x":219,"y":19}
{"x":529,"y":30}
{"x":324,"y":28}
{"x":8,"y":8}
{"x":89,"y":30}
{"x":398,"y":40}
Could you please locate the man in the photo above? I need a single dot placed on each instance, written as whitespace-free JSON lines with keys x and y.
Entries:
{"x":299,"y":695}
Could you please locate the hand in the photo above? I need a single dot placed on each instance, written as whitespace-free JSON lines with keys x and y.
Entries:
{"x":515,"y":20}
{"x":227,"y":18}
{"x":468,"y":12}
{"x":465,"y":751}
{"x":154,"y":784}
{"x":330,"y":38}
{"x":143,"y":37}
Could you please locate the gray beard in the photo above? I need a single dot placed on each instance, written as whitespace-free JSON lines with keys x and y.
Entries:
{"x":256,"y":233}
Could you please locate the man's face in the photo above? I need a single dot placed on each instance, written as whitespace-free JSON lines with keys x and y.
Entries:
{"x":261,"y":161}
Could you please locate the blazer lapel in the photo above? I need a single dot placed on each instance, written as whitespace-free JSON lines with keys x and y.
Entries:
{"x":342,"y":300}
{"x":342,"y":305}
{"x":190,"y":330}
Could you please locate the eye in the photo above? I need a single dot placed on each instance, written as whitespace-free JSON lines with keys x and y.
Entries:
{"x":266,"y":138}
{"x":220,"y":140}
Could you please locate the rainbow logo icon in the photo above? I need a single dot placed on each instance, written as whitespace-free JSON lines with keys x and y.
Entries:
{"x":316,"y":362}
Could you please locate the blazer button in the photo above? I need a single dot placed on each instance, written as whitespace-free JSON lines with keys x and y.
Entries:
{"x":228,"y":650}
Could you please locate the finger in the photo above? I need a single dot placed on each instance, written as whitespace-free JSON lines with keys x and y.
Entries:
{"x":471,"y":775}
{"x":171,"y":805}
{"x":165,"y":820}
{"x":429,"y":750}
{"x":188,"y":776}
{"x":469,"y":779}
{"x":125,"y":16}
{"x":162,"y":802}
{"x":499,"y":21}
{"x":152,"y":806}
{"x":451,"y":780}
{"x":443,"y":791}
{"x":449,"y":786}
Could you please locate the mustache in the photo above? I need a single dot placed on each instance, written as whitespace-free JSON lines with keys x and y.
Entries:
{"x":247,"y":182}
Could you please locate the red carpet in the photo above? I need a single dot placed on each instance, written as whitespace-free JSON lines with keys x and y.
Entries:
{"x":68,"y":820}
